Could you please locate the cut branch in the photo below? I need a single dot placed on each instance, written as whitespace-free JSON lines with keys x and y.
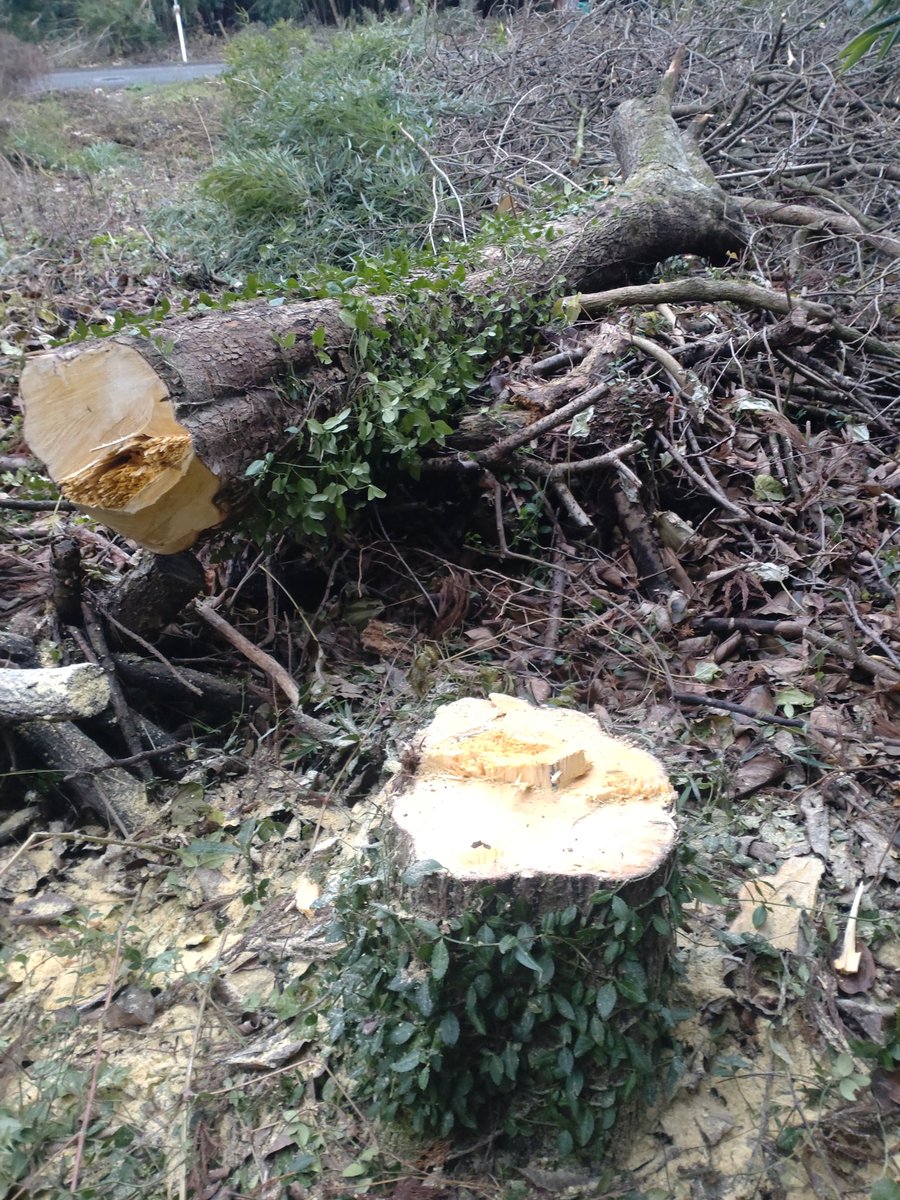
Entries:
{"x":53,"y":693}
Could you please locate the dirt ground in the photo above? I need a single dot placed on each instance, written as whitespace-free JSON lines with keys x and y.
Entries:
{"x":155,"y":989}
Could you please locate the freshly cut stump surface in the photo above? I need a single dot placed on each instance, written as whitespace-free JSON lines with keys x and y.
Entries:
{"x":506,"y":789}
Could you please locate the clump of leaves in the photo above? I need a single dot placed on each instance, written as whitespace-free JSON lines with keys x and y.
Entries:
{"x":38,"y":1129}
{"x":35,"y":134}
{"x":550,"y":1030}
{"x":884,"y":30}
{"x":415,"y":367}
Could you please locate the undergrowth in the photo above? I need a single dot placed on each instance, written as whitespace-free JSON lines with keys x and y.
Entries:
{"x":551,"y":1030}
{"x":324,"y":155}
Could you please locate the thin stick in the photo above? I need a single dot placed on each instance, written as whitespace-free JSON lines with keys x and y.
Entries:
{"x":732,"y":291}
{"x":851,"y":654}
{"x":42,"y":835}
{"x":259,"y":658}
{"x":446,"y":178}
{"x":507,"y":445}
{"x":755,"y":714}
{"x":145,"y":645}
{"x":612,"y":458}
{"x":313,"y":728}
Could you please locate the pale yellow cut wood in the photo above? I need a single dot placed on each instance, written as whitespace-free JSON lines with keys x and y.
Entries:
{"x":504,"y":788}
{"x":67,"y":428}
{"x":847,"y":963}
{"x":787,"y":897}
{"x":124,"y":458}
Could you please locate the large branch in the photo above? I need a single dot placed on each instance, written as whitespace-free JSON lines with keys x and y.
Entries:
{"x":152,"y":436}
{"x":53,"y":693}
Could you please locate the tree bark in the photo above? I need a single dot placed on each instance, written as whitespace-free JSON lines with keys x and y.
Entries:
{"x":527,"y":871}
{"x":115,"y":796}
{"x":152,"y":436}
{"x":53,"y":693}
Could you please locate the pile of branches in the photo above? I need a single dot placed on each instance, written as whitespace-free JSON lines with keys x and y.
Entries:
{"x":701,"y":479}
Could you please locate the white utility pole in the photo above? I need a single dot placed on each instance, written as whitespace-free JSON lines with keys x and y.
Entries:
{"x":176,"y":8}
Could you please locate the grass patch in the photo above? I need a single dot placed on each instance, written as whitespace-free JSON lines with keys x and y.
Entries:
{"x":35,"y":134}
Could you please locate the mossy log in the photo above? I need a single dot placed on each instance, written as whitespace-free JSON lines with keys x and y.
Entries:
{"x":513,"y":973}
{"x":152,"y":435}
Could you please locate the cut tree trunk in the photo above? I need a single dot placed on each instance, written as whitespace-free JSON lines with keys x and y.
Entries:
{"x":526,"y":925}
{"x":536,"y":796}
{"x":152,"y":435}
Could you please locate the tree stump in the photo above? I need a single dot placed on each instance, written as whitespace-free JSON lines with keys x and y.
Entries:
{"x":508,"y":960}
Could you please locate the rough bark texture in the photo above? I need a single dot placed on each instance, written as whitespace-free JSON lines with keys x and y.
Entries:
{"x":117,"y":798}
{"x":154,"y":592}
{"x":53,"y":693}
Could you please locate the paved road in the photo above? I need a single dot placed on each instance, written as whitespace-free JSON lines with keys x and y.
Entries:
{"x":114,"y":78}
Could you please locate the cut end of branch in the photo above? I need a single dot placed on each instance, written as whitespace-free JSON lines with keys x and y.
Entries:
{"x":102,"y":422}
{"x":850,"y":957}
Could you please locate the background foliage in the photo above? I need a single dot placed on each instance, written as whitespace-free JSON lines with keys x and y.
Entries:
{"x":550,"y":1029}
{"x":315,"y":165}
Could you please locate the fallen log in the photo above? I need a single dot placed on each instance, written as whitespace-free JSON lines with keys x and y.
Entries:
{"x":90,"y":775}
{"x":152,"y":435}
{"x":508,"y":956}
{"x":53,"y":693}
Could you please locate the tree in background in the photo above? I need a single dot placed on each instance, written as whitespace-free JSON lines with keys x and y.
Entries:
{"x":128,"y":26}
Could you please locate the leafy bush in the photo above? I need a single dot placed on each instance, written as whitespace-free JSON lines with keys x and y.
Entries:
{"x":320,"y":163}
{"x":35,"y":134}
{"x":123,"y":26}
{"x":550,"y":1030}
{"x":886,"y":30}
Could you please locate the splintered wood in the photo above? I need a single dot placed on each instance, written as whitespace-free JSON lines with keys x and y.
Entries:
{"x":504,"y":789}
{"x":102,"y":422}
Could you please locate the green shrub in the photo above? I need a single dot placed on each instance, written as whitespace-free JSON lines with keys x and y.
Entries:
{"x":317,"y":166}
{"x":122,"y":26}
{"x":883,"y":32}
{"x":551,"y":1030}
{"x":35,"y":134}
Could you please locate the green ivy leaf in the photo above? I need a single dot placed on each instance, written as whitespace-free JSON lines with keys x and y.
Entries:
{"x":523,"y":957}
{"x":402,"y":1033}
{"x":606,"y":1000}
{"x":440,"y":960}
{"x":449,"y":1029}
{"x":408,"y":1062}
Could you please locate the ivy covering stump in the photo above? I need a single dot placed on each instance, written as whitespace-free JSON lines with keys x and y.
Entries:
{"x":508,"y":959}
